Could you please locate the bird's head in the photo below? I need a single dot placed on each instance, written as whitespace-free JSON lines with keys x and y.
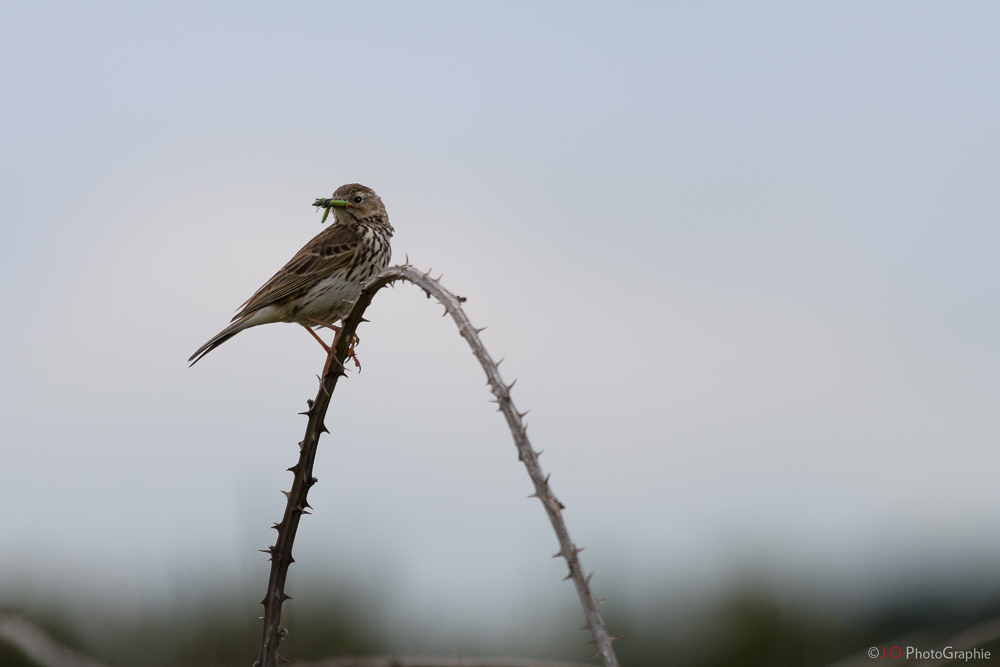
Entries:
{"x":354,"y":203}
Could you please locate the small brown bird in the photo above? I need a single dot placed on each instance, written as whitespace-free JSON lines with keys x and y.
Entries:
{"x":318,"y":286}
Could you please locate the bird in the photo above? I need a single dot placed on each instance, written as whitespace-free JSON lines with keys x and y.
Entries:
{"x":318,"y":286}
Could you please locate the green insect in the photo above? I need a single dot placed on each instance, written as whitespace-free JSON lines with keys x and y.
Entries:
{"x":327,"y":204}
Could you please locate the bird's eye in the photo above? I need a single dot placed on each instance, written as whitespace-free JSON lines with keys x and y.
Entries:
{"x":358,"y":199}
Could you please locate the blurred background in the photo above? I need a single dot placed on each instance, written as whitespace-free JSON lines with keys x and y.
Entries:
{"x":743,"y":260}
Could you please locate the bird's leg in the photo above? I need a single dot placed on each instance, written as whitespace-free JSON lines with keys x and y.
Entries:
{"x":354,"y":340}
{"x":329,"y":348}
{"x":336,"y":329}
{"x":325,"y":325}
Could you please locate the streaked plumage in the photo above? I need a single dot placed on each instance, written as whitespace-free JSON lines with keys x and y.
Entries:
{"x":322,"y":279}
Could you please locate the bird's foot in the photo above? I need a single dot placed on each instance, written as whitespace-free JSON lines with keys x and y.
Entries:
{"x":350,"y":351}
{"x":330,"y":357}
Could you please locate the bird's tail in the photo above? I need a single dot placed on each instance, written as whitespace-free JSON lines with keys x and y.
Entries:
{"x":239,"y":325}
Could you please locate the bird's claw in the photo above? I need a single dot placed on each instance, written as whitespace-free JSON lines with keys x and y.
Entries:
{"x":350,"y":351}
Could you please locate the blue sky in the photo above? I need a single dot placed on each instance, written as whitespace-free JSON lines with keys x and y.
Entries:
{"x":742,"y":259}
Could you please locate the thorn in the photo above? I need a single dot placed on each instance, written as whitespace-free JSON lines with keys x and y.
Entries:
{"x":511,"y":385}
{"x":586,"y":626}
{"x":558,"y":553}
{"x":578,"y":550}
{"x":546,"y":482}
{"x":281,"y":659}
{"x":618,"y":636}
{"x":478,"y":330}
{"x":323,"y":429}
{"x":461,"y":299}
{"x":286,"y":493}
{"x":440,"y":277}
{"x":589,"y":577}
{"x":445,"y":313}
{"x":295,"y":468}
{"x":596,"y":655}
{"x":364,"y":320}
{"x":599,"y":601}
{"x":568,"y":576}
{"x":592,"y":641}
{"x":535,"y":495}
{"x":407,"y":262}
{"x":539,"y":453}
{"x":497,"y":364}
{"x":285,"y":596}
{"x":281,"y":632}
{"x":277,"y":527}
{"x":521,"y":415}
{"x":493,"y":400}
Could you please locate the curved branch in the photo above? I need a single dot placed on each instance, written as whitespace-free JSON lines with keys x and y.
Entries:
{"x":281,"y":551}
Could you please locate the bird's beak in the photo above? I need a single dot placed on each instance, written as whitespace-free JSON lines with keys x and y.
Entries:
{"x":327,"y":204}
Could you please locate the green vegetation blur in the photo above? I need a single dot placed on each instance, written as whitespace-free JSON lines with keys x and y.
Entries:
{"x":745,"y":626}
{"x":215,"y":633}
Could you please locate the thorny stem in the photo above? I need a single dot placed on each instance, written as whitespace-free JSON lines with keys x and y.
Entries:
{"x":281,"y":551}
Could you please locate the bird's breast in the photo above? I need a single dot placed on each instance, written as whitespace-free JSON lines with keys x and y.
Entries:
{"x":331,"y":298}
{"x":328,"y":300}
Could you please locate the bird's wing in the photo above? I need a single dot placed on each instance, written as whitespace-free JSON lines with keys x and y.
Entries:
{"x":331,"y":249}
